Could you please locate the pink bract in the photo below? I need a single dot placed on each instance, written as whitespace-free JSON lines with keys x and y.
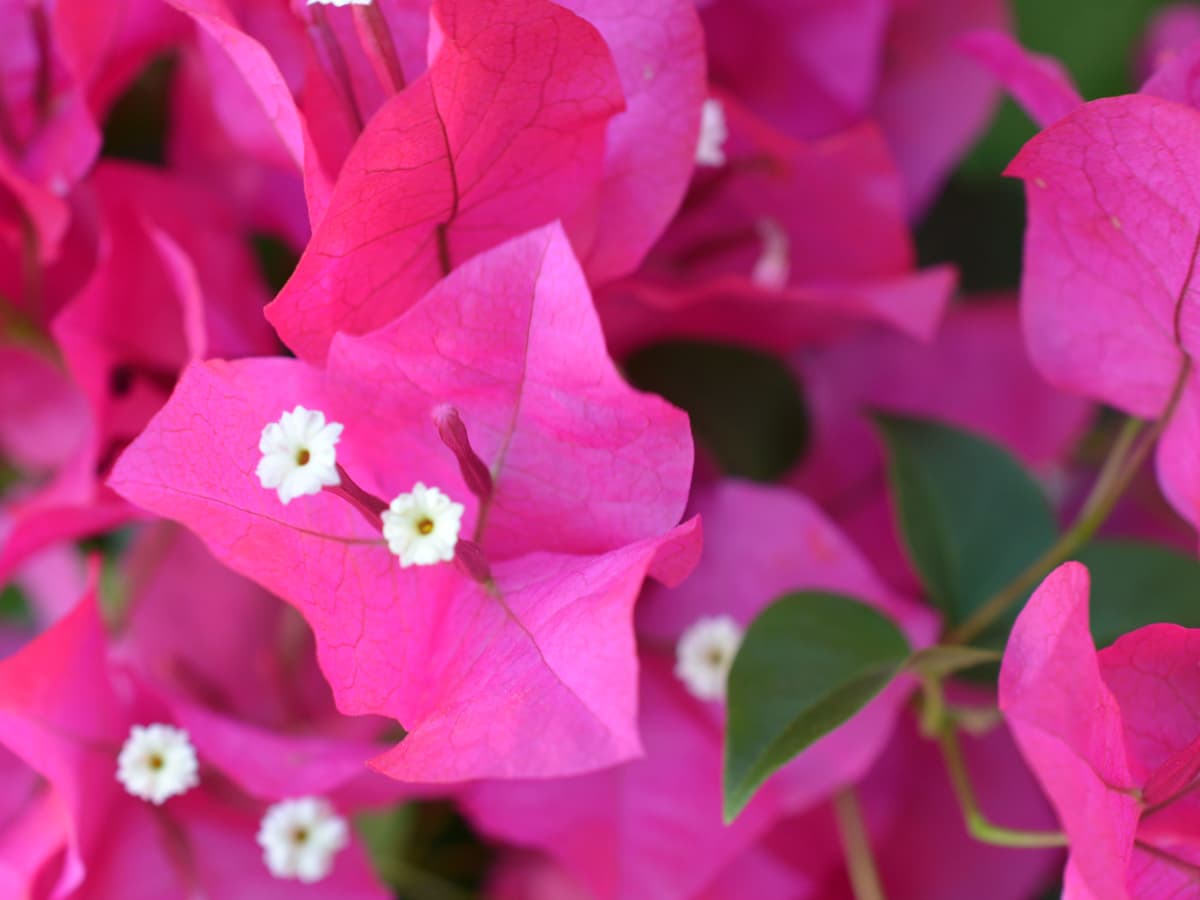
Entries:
{"x":535,"y":676}
{"x":504,"y":132}
{"x":653,"y":827}
{"x":748,"y":260}
{"x":1111,"y":737}
{"x":65,"y":709}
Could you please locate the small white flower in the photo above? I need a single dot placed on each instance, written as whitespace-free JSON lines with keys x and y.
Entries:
{"x":710,"y":150}
{"x":299,"y":454}
{"x":774,"y":265}
{"x":157,"y":762}
{"x":301,"y":837}
{"x":422,"y":527}
{"x":704,"y":656}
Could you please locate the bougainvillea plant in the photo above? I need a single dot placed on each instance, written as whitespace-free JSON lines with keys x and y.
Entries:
{"x":599,"y":450}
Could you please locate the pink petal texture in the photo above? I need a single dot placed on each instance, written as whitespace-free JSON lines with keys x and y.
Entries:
{"x":237,"y":668}
{"x":1107,"y":290}
{"x":649,"y":828}
{"x":266,"y":82}
{"x":653,"y":827}
{"x":587,"y":464}
{"x":1041,"y":84}
{"x":651,"y":145}
{"x":769,"y":53}
{"x":1068,"y":723}
{"x":535,"y":676}
{"x":66,"y":708}
{"x":853,"y":263}
{"x":503,"y":133}
{"x":1178,"y":77}
{"x":932,"y":103}
{"x":1172,"y":29}
{"x":42,"y":414}
{"x":59,"y":713}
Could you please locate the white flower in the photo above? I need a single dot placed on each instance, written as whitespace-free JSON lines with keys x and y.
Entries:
{"x":300,"y":838}
{"x":705,"y":654}
{"x":157,"y":762}
{"x":422,"y":527}
{"x":710,"y":150}
{"x":299,"y":454}
{"x":341,"y":2}
{"x":774,"y":265}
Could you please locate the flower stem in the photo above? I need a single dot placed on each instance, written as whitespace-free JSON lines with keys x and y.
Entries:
{"x":977,"y":824}
{"x":860,"y":862}
{"x":1123,"y":462}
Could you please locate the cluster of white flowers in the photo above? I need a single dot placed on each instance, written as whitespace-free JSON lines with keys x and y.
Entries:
{"x":299,"y":457}
{"x":300,"y":837}
{"x":704,"y":656}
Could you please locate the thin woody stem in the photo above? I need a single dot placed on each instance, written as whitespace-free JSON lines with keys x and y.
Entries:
{"x":860,"y":862}
{"x":1122,"y":465}
{"x":977,"y":824}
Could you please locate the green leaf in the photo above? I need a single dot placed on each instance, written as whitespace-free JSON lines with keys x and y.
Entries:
{"x":1136,"y":584}
{"x":808,"y":663}
{"x":971,"y":517}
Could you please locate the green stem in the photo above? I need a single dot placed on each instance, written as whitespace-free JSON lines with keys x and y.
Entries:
{"x":977,"y":825}
{"x":1122,"y":465}
{"x":860,"y":862}
{"x":933,"y":706}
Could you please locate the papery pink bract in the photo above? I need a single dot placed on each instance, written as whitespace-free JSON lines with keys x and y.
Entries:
{"x":1171,"y":30}
{"x":63,"y":67}
{"x":853,"y":262}
{"x":66,"y":710}
{"x":42,"y":414}
{"x":653,"y":827}
{"x":931,"y":102}
{"x":1110,"y":250}
{"x":648,"y":828}
{"x":173,"y":281}
{"x":815,"y":67}
{"x":237,"y":669}
{"x":504,"y":132}
{"x":809,"y":66}
{"x":1041,"y":84}
{"x":651,"y":144}
{"x":1112,"y":739}
{"x":1106,"y":291}
{"x":589,"y":479}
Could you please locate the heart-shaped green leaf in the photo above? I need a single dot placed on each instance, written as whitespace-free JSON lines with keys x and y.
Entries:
{"x":808,"y":663}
